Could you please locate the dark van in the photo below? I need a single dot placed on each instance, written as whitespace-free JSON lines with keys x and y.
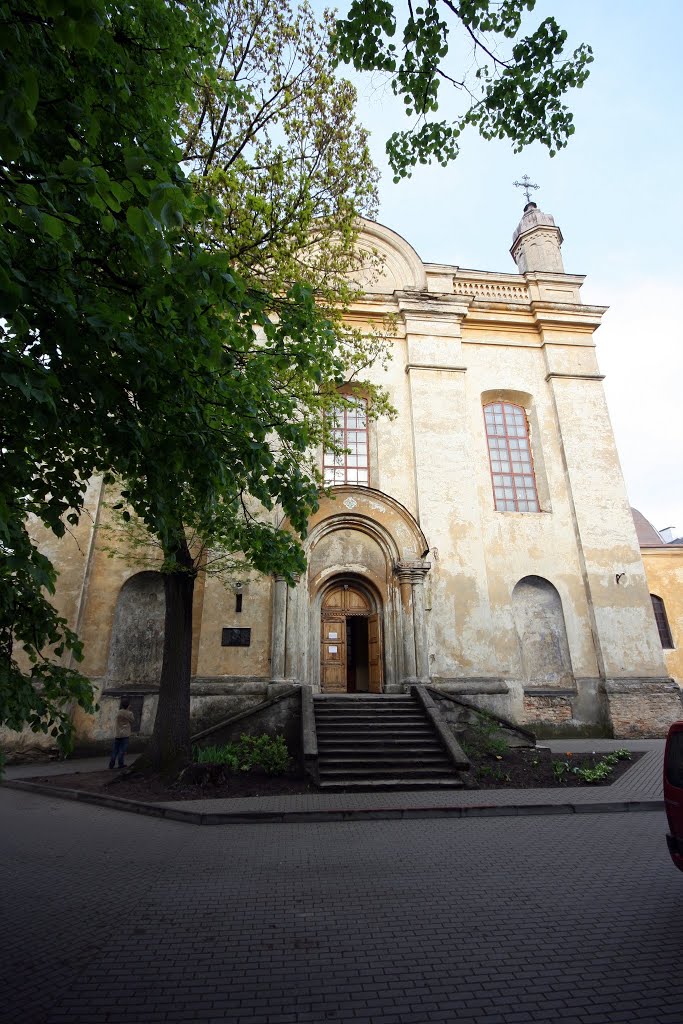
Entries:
{"x":673,"y":791}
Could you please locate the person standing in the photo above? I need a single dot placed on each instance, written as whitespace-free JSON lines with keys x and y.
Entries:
{"x":122,"y":731}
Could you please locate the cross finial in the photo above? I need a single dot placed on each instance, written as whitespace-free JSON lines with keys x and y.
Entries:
{"x":527,"y":184}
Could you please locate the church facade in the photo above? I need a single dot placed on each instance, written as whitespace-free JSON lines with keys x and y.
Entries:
{"x":481,"y":540}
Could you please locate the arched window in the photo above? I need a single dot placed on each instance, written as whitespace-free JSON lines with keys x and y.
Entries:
{"x":349,"y":431}
{"x":512,"y":468}
{"x":662,"y":622}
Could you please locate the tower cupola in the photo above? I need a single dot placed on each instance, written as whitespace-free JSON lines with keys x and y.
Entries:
{"x":536,"y":243}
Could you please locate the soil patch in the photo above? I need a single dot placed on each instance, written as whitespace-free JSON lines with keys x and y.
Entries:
{"x":517,"y":768}
{"x":538,"y":768}
{"x":127,"y":785}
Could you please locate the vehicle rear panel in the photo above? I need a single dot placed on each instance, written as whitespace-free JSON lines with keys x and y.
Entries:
{"x":673,"y":791}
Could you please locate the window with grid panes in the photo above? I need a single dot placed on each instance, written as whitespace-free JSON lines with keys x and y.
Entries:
{"x":512,"y":467}
{"x":350,"y":431}
{"x":662,"y":622}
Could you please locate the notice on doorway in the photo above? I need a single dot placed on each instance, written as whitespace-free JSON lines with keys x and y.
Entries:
{"x":333,"y":636}
{"x":333,"y":650}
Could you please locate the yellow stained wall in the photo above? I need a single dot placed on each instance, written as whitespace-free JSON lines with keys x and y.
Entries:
{"x":664,"y":572}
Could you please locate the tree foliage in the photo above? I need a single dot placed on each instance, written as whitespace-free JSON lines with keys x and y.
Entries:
{"x":89,"y":184}
{"x":273,"y":136}
{"x":514,"y":94}
{"x":135,"y":341}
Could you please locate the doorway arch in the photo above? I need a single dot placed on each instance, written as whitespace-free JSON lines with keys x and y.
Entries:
{"x":351,"y":641}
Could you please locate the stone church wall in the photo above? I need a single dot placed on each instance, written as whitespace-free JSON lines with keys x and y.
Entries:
{"x":543,"y":617}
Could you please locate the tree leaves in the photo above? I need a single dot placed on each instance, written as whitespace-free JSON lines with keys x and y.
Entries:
{"x":519,"y":97}
{"x":177,"y":335}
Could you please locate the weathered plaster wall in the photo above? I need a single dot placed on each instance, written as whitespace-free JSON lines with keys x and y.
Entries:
{"x":71,"y":555}
{"x":462,"y":337}
{"x":626,"y":634}
{"x":664,"y":572}
{"x":219,"y":612}
{"x":137,"y":641}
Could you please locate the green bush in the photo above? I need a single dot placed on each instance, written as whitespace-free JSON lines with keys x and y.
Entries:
{"x":268,"y":753}
{"x":482,"y":737}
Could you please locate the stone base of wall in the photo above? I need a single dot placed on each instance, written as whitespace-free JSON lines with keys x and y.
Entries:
{"x":642,"y":707}
{"x":553,"y":710}
{"x":557,"y":712}
{"x":548,"y":711}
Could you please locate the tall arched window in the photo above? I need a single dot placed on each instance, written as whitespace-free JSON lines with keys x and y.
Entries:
{"x":662,"y":622}
{"x":349,"y":431}
{"x":512,"y":468}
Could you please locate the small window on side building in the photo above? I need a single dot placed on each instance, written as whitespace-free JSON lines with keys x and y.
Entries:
{"x":662,"y":622}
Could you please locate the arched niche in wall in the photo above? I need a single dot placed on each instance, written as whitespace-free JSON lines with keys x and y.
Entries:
{"x":137,"y":639}
{"x":539,"y":621}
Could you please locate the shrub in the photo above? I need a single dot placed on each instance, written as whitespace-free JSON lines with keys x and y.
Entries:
{"x":481,"y":737}
{"x":268,"y":753}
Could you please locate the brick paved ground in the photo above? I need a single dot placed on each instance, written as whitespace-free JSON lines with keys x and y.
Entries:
{"x":115,"y":917}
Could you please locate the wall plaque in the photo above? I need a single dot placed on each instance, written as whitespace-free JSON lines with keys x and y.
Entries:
{"x":234,"y":636}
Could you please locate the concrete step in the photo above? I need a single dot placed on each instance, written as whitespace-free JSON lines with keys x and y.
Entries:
{"x":398,"y":782}
{"x":370,"y":747}
{"x":372,"y":742}
{"x":373,"y":728}
{"x":363,"y":695}
{"x":367,"y":715}
{"x":391,"y":757}
{"x":385,"y":725}
{"x":365,"y":770}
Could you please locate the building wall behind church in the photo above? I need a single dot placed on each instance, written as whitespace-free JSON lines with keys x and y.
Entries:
{"x":664,"y":570}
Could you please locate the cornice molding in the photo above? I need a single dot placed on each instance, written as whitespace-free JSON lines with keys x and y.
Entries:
{"x":576,"y":376}
{"x":436,"y":367}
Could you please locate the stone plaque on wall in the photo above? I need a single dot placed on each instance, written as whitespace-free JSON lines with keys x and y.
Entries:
{"x":234,"y":636}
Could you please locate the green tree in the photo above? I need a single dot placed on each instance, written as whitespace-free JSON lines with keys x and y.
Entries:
{"x":90,"y":194}
{"x":274,"y":141}
{"x":515,"y":92}
{"x":131,"y":345}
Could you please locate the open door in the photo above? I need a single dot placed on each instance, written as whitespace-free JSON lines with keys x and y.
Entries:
{"x":375,"y":654}
{"x":333,"y":656}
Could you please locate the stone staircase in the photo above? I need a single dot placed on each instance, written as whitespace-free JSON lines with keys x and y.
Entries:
{"x":377,"y":741}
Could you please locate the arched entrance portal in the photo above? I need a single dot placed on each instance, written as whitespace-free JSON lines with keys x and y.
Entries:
{"x":350,"y":640}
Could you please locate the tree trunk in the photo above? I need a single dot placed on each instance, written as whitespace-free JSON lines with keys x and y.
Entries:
{"x":169,"y":748}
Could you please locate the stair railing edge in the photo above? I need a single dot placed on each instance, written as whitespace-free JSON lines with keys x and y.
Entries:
{"x":484,"y":712}
{"x":309,"y":735}
{"x":453,"y":748}
{"x":246,"y":713}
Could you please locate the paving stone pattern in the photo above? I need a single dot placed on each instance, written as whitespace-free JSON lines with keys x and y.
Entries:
{"x":114,"y":917}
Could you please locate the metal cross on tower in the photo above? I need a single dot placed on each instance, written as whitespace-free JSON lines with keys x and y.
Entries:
{"x":527,"y":184}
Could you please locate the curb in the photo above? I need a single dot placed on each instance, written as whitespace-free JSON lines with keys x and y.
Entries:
{"x":336,"y":814}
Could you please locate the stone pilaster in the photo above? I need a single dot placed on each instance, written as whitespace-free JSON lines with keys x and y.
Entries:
{"x":411,"y":576}
{"x":409,"y":673}
{"x":279,"y":629}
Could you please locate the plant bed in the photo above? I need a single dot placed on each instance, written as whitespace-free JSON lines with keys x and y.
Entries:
{"x":514,"y":768}
{"x":129,"y":785}
{"x":540,"y":768}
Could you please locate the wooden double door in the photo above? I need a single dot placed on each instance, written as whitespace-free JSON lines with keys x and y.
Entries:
{"x":350,"y":643}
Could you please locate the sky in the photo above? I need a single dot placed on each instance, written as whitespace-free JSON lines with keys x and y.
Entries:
{"x":616,"y":194}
